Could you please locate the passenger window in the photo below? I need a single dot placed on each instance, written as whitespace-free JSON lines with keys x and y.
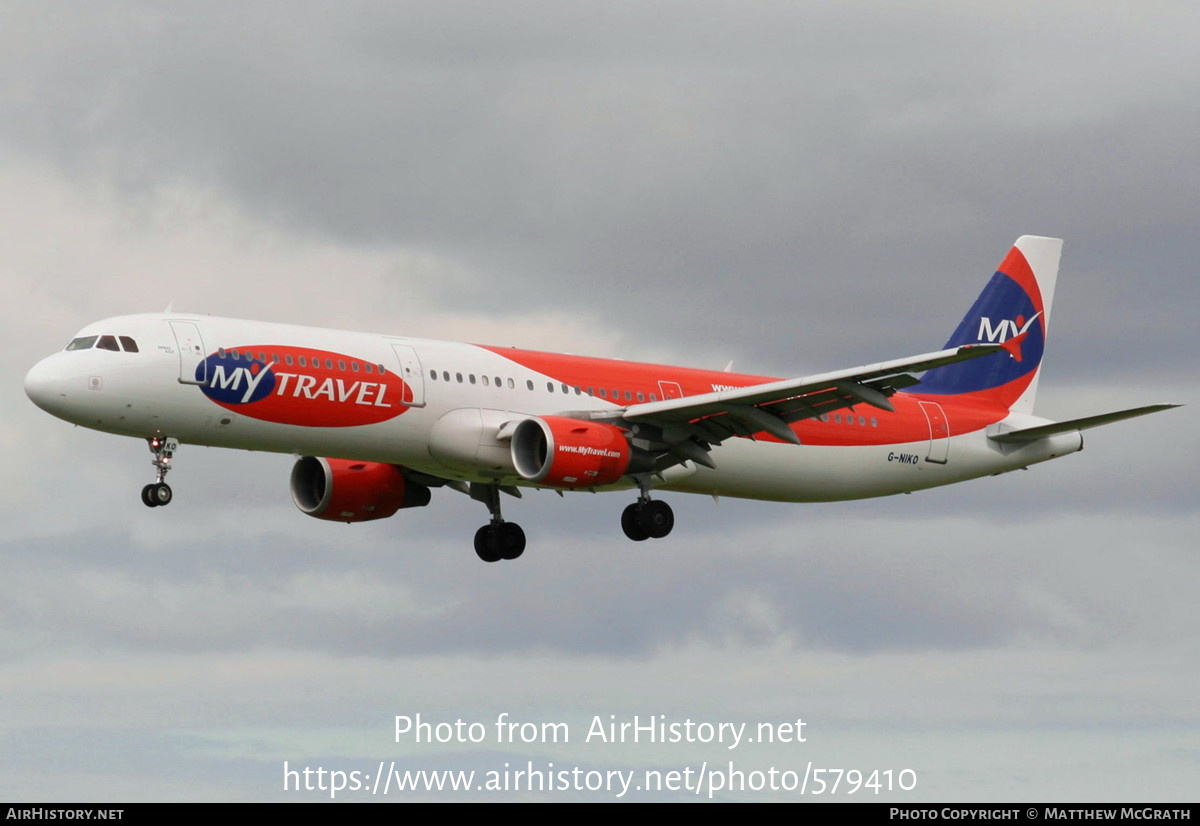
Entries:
{"x":303,"y":361}
{"x":382,"y":369}
{"x":82,"y":343}
{"x":370,"y":368}
{"x":328,"y":364}
{"x":287,"y":359}
{"x":129,"y":344}
{"x":641,"y":396}
{"x":458,"y":376}
{"x":342,"y":365}
{"x":432,"y":373}
{"x":512,"y":385}
{"x":653,"y":397}
{"x":528,"y":383}
{"x":550,"y":386}
{"x":445,"y":375}
{"x":354,"y":368}
{"x":471,"y":378}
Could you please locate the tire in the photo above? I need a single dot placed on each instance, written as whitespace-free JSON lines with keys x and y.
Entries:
{"x":512,"y":540}
{"x":631,"y":523}
{"x":486,"y":546}
{"x":161,"y":494}
{"x":656,"y":519}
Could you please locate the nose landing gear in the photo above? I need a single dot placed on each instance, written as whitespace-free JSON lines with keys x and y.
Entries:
{"x":159,"y":493}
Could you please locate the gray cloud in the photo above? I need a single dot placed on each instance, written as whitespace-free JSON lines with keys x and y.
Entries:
{"x":651,"y":165}
{"x":796,"y":187}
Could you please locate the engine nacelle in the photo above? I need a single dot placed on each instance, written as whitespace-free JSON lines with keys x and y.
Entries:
{"x":570,"y":453}
{"x":342,"y":490}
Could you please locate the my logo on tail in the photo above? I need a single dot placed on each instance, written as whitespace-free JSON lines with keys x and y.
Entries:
{"x":1008,"y":332}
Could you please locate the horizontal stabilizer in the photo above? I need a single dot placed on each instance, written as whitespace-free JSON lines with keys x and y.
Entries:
{"x":1032,"y":434}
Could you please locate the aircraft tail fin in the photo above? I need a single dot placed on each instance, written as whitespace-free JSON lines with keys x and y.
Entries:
{"x":1013,"y":311}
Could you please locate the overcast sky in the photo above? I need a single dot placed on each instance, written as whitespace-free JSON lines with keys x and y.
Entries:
{"x":795,"y":186}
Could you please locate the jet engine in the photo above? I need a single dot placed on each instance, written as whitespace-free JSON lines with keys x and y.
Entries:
{"x":570,"y":453}
{"x":342,"y":490}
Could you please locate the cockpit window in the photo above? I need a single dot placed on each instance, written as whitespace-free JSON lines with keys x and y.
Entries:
{"x":82,"y":343}
{"x":104,"y":343}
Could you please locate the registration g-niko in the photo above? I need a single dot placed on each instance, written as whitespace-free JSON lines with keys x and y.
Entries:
{"x":381,"y":421}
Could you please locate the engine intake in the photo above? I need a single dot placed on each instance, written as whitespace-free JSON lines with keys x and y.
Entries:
{"x":342,"y":490}
{"x":570,"y":453}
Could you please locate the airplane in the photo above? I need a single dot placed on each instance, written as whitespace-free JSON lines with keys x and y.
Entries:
{"x":404,"y":416}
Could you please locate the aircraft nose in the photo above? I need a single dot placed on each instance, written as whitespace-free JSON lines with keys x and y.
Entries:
{"x":45,"y":387}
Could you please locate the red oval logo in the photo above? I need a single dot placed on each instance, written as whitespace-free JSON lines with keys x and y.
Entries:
{"x":296,"y":385}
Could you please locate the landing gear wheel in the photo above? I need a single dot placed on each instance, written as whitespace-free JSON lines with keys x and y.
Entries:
{"x":486,"y":546}
{"x":157,"y":495}
{"x":631,"y":524}
{"x":512,"y":540}
{"x":499,"y":540}
{"x":656,"y":518}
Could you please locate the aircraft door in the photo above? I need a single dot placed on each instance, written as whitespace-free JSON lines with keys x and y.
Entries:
{"x":939,"y":433}
{"x":410,"y":371}
{"x":670,"y":390}
{"x":193,"y":369}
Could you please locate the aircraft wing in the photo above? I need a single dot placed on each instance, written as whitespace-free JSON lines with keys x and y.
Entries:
{"x":687,"y":426}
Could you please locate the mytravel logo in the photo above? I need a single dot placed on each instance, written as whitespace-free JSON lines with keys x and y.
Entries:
{"x":300,"y":386}
{"x":1006,"y":328}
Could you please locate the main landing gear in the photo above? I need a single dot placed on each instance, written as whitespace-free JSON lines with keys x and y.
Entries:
{"x":498,"y":539}
{"x":159,"y":493}
{"x":647,"y":519}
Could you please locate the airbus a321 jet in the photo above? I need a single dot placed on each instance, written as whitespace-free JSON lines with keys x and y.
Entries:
{"x":403,"y":416}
